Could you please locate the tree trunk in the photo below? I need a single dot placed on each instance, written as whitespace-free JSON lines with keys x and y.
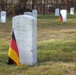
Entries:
{"x":75,"y":5}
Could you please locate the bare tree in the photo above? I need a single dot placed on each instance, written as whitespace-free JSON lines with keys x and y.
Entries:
{"x":20,"y":7}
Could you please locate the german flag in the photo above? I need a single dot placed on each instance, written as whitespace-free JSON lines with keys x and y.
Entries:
{"x":60,"y":18}
{"x":13,"y":52}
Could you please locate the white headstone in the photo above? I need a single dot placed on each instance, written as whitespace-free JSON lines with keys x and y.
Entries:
{"x":64,"y":15}
{"x":72,"y":11}
{"x":25,"y":30}
{"x":34,"y":12}
{"x":57,"y":12}
{"x":28,"y":13}
{"x":3,"y":16}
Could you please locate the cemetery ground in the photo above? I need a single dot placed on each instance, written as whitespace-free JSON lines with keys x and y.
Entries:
{"x":56,"y":48}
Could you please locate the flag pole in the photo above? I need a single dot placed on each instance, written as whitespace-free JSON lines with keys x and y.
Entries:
{"x":32,"y":4}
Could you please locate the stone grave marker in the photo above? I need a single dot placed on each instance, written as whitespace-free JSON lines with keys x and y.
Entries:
{"x":34,"y":13}
{"x":72,"y":11}
{"x":57,"y":12}
{"x":25,"y":30}
{"x":28,"y":13}
{"x":64,"y":15}
{"x":3,"y":16}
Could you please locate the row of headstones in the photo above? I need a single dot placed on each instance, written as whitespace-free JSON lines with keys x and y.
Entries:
{"x":57,"y":11}
{"x":3,"y":15}
{"x":34,"y":13}
{"x":63,"y":13}
{"x":25,"y":30}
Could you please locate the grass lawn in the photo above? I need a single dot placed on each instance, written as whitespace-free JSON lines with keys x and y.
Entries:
{"x":56,"y":48}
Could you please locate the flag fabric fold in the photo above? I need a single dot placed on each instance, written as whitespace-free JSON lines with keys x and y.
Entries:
{"x":13,"y":52}
{"x":60,"y":18}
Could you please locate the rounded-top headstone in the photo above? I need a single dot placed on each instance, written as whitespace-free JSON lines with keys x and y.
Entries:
{"x":25,"y":30}
{"x":3,"y":16}
{"x":28,"y":13}
{"x":72,"y":11}
{"x":34,"y":12}
{"x":57,"y":12}
{"x":63,"y":12}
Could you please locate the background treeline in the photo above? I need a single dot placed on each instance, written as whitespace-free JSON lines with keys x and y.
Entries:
{"x":13,"y":7}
